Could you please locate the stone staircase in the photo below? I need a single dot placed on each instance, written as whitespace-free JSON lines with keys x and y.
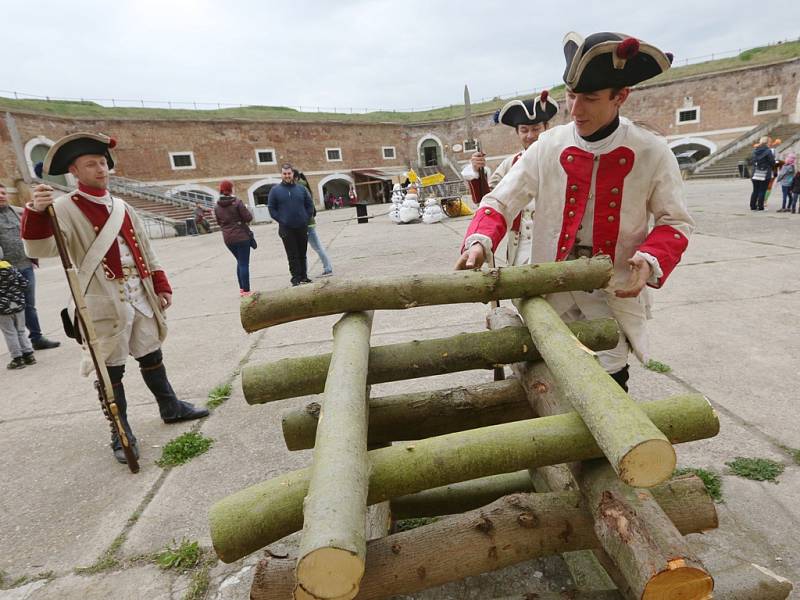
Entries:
{"x":727,"y":165}
{"x":156,"y":203}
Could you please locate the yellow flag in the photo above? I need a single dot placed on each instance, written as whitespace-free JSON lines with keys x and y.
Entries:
{"x":434,"y":179}
{"x":412,"y":176}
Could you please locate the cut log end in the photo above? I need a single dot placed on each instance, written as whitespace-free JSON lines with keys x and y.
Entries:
{"x":330,"y":573}
{"x":648,"y":464}
{"x":682,"y":583}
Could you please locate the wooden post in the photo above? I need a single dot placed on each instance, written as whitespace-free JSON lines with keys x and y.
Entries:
{"x":333,"y":544}
{"x":293,"y":377}
{"x":639,"y":453}
{"x":339,"y":295}
{"x":263,"y":513}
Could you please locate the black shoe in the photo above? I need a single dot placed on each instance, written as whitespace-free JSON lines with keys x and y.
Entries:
{"x":28,"y":358}
{"x":44,"y":344}
{"x":16,"y":363}
{"x":306,"y":280}
{"x":187,"y":412}
{"x":119,"y":453}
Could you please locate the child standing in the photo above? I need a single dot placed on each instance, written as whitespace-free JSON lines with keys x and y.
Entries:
{"x":785,"y":177}
{"x":12,"y":315}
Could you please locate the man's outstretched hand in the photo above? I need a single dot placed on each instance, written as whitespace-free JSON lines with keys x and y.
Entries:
{"x":472,"y":258}
{"x":640,"y":273}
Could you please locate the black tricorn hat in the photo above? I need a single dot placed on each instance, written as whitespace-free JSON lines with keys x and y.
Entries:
{"x":529,"y":112}
{"x":610,"y":60}
{"x":62,"y":154}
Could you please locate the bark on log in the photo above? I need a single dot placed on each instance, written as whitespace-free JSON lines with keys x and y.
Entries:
{"x":639,"y":453}
{"x":460,"y":497}
{"x":652,"y":555}
{"x":337,"y":295}
{"x":293,"y":377}
{"x":511,"y":530}
{"x":333,"y":543}
{"x":421,"y":415}
{"x":263,"y":513}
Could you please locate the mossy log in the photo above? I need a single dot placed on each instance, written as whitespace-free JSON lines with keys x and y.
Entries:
{"x":639,"y":453}
{"x":338,"y":295}
{"x":511,"y":530}
{"x":265,"y":512}
{"x":333,"y":543}
{"x":422,"y":414}
{"x":293,"y":377}
{"x":460,"y":497}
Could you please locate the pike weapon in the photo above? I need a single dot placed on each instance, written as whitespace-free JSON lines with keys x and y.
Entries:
{"x":105,"y":391}
{"x":482,"y":189}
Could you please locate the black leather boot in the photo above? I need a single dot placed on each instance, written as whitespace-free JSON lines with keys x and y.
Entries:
{"x":115,"y":375}
{"x":621,"y":377}
{"x":155,"y":376}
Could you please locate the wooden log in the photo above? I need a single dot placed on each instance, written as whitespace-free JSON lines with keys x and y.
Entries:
{"x":338,"y":295}
{"x":513,"y":529}
{"x":460,"y":497}
{"x":263,"y":513}
{"x":333,"y":544}
{"x":652,"y":555}
{"x":639,"y":453}
{"x":292,"y":377}
{"x":421,"y":415}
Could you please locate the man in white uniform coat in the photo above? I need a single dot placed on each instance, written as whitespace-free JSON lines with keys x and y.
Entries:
{"x":529,"y":119}
{"x":125,"y":287}
{"x":600,"y":180}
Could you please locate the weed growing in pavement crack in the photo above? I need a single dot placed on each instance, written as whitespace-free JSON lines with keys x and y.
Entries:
{"x":184,"y":448}
{"x":711,"y":480}
{"x":219,"y":395}
{"x":658,"y":367}
{"x":757,"y":469}
{"x":183,"y":556}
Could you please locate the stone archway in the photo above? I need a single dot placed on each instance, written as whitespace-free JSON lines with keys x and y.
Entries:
{"x":35,"y":151}
{"x":701,"y":147}
{"x":430,"y":151}
{"x":337,"y":184}
{"x":257,"y":195}
{"x":195,"y":193}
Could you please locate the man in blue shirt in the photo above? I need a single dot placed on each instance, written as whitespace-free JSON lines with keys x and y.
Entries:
{"x":291,"y":206}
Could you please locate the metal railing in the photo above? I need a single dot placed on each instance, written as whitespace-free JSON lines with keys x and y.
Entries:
{"x":746,"y":138}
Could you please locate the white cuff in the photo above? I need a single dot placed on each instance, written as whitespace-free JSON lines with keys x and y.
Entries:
{"x":655,"y":268}
{"x":483,"y":240}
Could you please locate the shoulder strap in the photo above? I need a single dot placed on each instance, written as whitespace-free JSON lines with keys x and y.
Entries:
{"x":101,"y":243}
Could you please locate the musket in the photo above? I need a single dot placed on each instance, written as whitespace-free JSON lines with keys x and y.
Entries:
{"x":105,"y":390}
{"x":482,"y":189}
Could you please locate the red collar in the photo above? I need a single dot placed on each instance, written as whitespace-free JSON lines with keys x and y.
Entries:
{"x":92,"y":191}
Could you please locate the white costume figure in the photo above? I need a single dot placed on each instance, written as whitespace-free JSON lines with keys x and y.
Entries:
{"x":409,"y":211}
{"x":432,"y":213}
{"x":397,"y":202}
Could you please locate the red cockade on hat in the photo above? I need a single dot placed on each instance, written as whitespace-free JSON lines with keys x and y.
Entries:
{"x":628,"y":48}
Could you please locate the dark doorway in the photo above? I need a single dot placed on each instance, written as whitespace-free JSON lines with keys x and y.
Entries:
{"x":261,"y":194}
{"x":429,"y":154}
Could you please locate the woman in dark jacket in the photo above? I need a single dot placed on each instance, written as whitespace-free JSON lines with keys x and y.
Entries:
{"x":763,"y":161}
{"x":233,"y":217}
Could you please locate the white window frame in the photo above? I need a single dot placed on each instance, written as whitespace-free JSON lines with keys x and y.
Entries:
{"x":274,"y":160}
{"x":779,"y":97}
{"x":329,"y":159}
{"x":684,"y":109}
{"x":172,"y":156}
{"x":383,"y":152}
{"x":467,"y":143}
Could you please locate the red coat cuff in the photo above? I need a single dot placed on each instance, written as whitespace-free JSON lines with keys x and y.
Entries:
{"x":35,"y":225}
{"x":667,"y":244}
{"x":487,"y":221}
{"x":160,"y":282}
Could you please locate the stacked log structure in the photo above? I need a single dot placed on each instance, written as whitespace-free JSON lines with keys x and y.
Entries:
{"x":556,"y":460}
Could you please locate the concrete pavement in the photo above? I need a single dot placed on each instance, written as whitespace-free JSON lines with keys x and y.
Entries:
{"x":726,"y":323}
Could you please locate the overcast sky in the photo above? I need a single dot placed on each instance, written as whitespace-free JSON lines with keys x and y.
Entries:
{"x":343,"y":53}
